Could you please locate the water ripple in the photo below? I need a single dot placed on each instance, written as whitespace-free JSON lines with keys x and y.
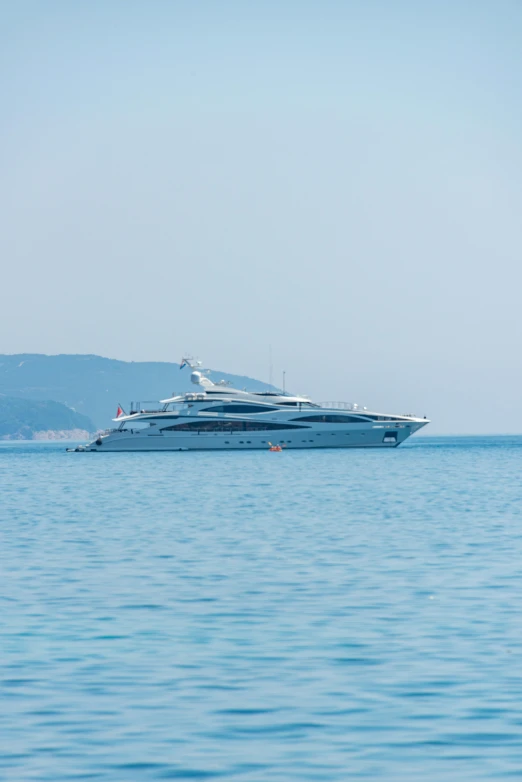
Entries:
{"x":320,"y":616}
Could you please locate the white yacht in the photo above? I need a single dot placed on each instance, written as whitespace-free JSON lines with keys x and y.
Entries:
{"x":218,"y":417}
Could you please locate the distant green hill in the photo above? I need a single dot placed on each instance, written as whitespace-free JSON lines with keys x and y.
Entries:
{"x":94,"y":386}
{"x":23,"y":418}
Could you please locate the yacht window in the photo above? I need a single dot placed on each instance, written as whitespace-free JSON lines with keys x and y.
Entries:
{"x":228,"y":426}
{"x":382,"y":417}
{"x":298,"y":404}
{"x":330,"y":419}
{"x":238,"y":409}
{"x":159,"y":418}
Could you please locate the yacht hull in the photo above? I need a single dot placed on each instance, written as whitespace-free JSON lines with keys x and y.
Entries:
{"x":367,"y":437}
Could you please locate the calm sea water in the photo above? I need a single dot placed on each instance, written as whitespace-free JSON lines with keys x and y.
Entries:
{"x":310,"y":615}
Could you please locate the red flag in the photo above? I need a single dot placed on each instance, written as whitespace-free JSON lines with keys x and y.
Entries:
{"x":119,"y":412}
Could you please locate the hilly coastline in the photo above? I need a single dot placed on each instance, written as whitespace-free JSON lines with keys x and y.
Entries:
{"x":23,"y":419}
{"x":93,"y":386}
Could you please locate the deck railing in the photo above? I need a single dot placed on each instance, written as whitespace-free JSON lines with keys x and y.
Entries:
{"x":137,"y":407}
{"x":339,"y":405}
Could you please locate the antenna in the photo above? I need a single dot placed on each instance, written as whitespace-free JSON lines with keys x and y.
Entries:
{"x":270,"y":367}
{"x":284,"y":375}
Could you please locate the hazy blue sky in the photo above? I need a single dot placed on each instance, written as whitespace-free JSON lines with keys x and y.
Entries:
{"x":341,"y":180}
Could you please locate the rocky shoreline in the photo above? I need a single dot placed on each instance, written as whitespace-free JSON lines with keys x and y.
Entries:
{"x":51,"y":434}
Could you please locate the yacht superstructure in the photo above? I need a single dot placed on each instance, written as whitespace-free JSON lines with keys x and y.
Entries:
{"x":219,"y":417}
